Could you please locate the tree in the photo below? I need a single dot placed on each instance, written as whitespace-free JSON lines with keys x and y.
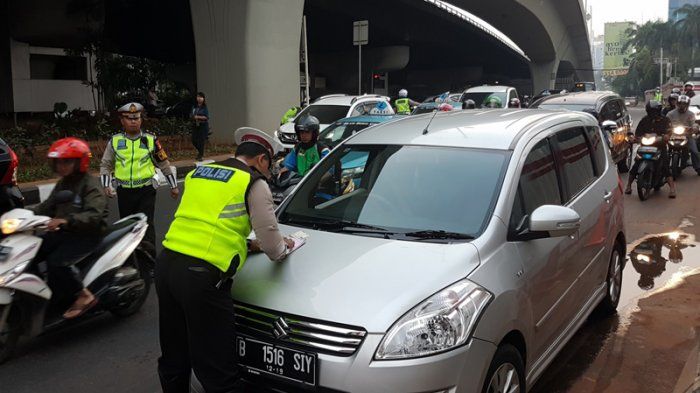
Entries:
{"x":689,"y":29}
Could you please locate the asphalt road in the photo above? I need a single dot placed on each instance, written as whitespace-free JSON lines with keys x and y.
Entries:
{"x":109,"y":355}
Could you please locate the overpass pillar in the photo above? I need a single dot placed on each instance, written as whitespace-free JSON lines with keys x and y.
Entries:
{"x":247,"y":54}
{"x":544,"y":75}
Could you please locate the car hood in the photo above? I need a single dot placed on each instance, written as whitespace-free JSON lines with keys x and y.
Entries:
{"x":356,"y":280}
{"x":288,"y":128}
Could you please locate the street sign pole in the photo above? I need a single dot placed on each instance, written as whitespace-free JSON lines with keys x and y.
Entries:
{"x":661,"y":69}
{"x":360,"y":36}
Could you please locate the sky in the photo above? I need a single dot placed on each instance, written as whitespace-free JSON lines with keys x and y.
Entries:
{"x":626,"y":10}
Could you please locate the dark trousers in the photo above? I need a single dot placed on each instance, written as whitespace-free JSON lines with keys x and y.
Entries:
{"x":139,"y":200}
{"x":197,"y":330}
{"x":61,"y":250}
{"x":199,"y":139}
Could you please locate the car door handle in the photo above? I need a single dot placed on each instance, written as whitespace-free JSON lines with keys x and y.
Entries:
{"x":608,"y":196}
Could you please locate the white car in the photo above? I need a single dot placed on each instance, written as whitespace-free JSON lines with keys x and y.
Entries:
{"x":328,"y":109}
{"x":479,"y":94}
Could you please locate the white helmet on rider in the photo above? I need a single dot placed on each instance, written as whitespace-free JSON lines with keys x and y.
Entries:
{"x":691,"y":84}
{"x":684,"y":99}
{"x":403,"y":93}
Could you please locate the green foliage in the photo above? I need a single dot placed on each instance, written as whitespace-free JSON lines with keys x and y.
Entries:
{"x":680,"y":41}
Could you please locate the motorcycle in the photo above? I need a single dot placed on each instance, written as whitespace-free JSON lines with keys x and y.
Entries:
{"x":116,"y":272}
{"x":282,"y":185}
{"x":678,"y":149}
{"x":649,"y":174}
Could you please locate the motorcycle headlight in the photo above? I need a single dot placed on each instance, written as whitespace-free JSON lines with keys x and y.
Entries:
{"x":10,"y":225}
{"x":648,"y":140}
{"x":444,"y":321}
{"x":10,"y":275}
{"x":679,"y":130}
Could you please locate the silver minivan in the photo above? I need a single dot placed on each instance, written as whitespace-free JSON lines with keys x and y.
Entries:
{"x":449,"y":253}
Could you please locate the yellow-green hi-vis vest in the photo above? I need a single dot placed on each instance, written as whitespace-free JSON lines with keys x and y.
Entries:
{"x":212,"y":220}
{"x":133,"y":163}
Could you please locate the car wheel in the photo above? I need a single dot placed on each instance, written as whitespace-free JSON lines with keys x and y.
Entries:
{"x":613,"y":283}
{"x":506,"y":372}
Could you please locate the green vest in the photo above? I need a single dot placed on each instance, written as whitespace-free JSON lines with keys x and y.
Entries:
{"x":403,"y":106}
{"x":289,"y":115}
{"x":133,"y":163}
{"x":212,"y":220}
{"x":306,"y":159}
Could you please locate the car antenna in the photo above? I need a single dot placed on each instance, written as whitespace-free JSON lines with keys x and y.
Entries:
{"x":425,"y":131}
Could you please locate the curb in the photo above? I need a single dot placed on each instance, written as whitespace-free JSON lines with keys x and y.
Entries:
{"x":37,"y":193}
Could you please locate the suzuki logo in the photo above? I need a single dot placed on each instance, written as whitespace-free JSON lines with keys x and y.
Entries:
{"x":280,"y":328}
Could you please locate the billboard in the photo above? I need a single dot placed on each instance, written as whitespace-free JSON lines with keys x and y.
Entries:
{"x":616,"y":60}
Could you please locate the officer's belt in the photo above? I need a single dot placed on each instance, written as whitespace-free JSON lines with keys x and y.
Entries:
{"x":134,"y":183}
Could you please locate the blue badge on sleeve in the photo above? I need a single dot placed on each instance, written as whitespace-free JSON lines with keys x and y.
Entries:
{"x":210,"y":173}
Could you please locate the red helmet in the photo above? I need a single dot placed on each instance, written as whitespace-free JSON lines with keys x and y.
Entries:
{"x":72,"y":148}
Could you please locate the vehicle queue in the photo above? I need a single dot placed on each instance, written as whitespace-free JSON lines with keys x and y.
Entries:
{"x":372,"y":278}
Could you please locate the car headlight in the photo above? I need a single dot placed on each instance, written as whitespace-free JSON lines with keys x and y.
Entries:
{"x":648,"y":140}
{"x":679,"y":130}
{"x":10,"y":275}
{"x":444,"y":321}
{"x":10,"y":225}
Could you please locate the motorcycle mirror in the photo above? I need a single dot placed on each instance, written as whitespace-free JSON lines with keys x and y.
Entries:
{"x":64,"y":196}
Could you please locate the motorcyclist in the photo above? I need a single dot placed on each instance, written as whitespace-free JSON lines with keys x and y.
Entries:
{"x":445,"y":107}
{"x":290,"y":114}
{"x":689,"y":89}
{"x":404,"y":104}
{"x":672,"y":101}
{"x":648,"y":265}
{"x":654,"y":123}
{"x":81,"y":220}
{"x":308,"y":151}
{"x":493,"y":101}
{"x":681,"y":116}
{"x":469,"y":104}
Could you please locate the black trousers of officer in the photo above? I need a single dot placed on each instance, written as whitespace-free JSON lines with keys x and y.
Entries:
{"x":196,"y":325}
{"x":139,"y":200}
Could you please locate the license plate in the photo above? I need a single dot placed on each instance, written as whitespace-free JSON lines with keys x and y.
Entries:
{"x":647,"y":149}
{"x":261,"y":358}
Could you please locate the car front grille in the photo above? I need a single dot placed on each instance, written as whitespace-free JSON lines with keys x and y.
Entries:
{"x":287,"y":138}
{"x":298,"y":332}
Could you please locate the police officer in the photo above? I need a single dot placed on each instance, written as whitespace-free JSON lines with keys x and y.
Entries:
{"x":403,"y":104}
{"x":133,"y":156}
{"x":204,"y":247}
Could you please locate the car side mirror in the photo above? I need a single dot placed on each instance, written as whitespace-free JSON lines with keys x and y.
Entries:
{"x":554,"y":221}
{"x":609,"y":126}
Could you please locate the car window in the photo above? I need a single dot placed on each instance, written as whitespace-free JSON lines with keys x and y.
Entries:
{"x":538,"y":184}
{"x":394,"y":187}
{"x":339,"y":132}
{"x":611,"y":111}
{"x":363,"y":109}
{"x":574,"y":157}
{"x":595,"y":142}
{"x":512,"y":95}
{"x":479,"y":98}
{"x":326,"y":114}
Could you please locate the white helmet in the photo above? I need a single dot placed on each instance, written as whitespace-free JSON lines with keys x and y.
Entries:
{"x":403,"y":93}
{"x":691,"y":84}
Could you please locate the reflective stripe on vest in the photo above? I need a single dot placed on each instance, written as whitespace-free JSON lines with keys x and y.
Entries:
{"x":133,"y":166}
{"x":212,"y":221}
{"x":403,"y":106}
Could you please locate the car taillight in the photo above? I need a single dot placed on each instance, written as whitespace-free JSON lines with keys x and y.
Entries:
{"x":10,"y":176}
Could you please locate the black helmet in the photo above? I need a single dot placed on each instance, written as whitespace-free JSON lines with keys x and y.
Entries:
{"x":676,"y":91}
{"x":653,"y":108}
{"x":307,"y":123}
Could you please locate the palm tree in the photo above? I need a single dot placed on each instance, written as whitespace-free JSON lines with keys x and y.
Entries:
{"x":689,"y":28}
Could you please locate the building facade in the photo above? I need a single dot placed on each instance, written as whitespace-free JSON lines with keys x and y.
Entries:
{"x":674,"y":5}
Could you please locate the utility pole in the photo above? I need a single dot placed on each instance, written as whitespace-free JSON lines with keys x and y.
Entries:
{"x":661,"y":68}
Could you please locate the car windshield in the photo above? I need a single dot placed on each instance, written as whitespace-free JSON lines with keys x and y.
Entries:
{"x":325,"y":114}
{"x":400,"y":191}
{"x":571,"y":107}
{"x":339,"y":132}
{"x":479,"y":98}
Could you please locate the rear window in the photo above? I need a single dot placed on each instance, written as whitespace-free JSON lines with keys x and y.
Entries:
{"x":325,"y":114}
{"x":479,"y":98}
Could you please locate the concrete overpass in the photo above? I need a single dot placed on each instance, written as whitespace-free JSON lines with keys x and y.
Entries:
{"x":247,"y":51}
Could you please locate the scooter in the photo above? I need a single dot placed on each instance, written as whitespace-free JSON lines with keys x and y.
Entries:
{"x":678,"y":150}
{"x":282,"y":185}
{"x":116,"y":272}
{"x":649,"y":174}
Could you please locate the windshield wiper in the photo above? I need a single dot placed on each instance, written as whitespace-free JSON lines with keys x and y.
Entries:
{"x":339,"y":225}
{"x":439,"y":234}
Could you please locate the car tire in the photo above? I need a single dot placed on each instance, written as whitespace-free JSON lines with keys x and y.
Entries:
{"x":506,"y":370}
{"x":613,"y":281}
